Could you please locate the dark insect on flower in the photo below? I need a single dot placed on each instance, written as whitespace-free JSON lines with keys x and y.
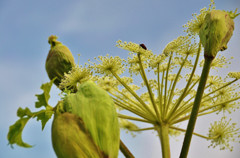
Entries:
{"x":143,"y":46}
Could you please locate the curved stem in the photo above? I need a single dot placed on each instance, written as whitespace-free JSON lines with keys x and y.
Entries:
{"x":196,"y":105}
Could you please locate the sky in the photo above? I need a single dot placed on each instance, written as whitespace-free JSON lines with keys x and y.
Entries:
{"x":91,"y":28}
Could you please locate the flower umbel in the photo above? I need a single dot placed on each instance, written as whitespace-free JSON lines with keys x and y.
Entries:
{"x":78,"y":74}
{"x":133,"y":47}
{"x":176,"y":44}
{"x":107,"y":65}
{"x":234,"y":75}
{"x":193,"y":27}
{"x":222,"y":133}
{"x":107,"y":83}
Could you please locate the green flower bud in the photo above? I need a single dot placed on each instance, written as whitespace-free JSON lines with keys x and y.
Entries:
{"x":59,"y":60}
{"x":97,"y":110}
{"x":216,"y":31}
{"x":70,"y":138}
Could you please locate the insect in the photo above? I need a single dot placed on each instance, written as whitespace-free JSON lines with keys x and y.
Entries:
{"x":143,"y":46}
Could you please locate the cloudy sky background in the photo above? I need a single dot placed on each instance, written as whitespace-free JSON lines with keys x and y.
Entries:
{"x":91,"y":28}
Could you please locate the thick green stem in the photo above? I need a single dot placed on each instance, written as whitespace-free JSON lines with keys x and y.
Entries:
{"x":164,"y":138}
{"x":196,"y":105}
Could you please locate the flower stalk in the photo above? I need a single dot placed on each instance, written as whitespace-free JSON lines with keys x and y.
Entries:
{"x":148,"y":87}
{"x":165,"y":91}
{"x":133,"y":93}
{"x":196,"y":105}
{"x":186,"y":89}
{"x":163,"y":132}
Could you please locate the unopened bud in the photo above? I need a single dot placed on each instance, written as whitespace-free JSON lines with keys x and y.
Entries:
{"x":216,"y":32}
{"x":71,"y":139}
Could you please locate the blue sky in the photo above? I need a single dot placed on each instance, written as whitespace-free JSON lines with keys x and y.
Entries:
{"x":90,"y":28}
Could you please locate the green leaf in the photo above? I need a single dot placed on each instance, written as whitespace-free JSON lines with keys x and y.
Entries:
{"x":15,"y":133}
{"x":44,"y":97}
{"x":24,"y":112}
{"x":44,"y":116}
{"x":15,"y":130}
{"x":97,"y":110}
